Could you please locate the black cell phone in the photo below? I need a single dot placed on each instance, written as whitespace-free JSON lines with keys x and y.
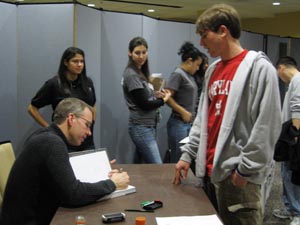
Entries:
{"x":152,"y":205}
{"x":113,"y":217}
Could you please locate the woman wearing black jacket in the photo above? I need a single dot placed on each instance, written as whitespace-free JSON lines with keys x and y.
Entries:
{"x":70,"y":81}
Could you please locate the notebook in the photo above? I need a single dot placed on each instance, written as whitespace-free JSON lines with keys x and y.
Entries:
{"x":93,"y":166}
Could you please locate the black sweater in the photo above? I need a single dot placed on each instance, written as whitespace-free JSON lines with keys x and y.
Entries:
{"x":287,"y":149}
{"x":42,"y":179}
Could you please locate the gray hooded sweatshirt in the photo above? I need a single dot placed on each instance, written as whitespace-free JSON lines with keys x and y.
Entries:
{"x":250,"y":127}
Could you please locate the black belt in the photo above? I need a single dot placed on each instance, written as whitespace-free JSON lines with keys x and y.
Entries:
{"x":175,"y":116}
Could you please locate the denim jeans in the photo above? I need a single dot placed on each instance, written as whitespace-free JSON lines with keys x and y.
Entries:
{"x":291,"y":192}
{"x":239,"y":206}
{"x":144,"y":138}
{"x":177,"y":130}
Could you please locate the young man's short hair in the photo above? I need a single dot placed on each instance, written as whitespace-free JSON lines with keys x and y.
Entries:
{"x":287,"y":61}
{"x":217,"y":15}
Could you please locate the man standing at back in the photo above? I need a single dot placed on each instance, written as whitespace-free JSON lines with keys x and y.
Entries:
{"x":238,"y":121}
{"x":289,"y":74}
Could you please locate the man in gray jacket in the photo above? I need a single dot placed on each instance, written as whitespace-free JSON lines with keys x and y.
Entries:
{"x":288,"y":73}
{"x":238,"y":121}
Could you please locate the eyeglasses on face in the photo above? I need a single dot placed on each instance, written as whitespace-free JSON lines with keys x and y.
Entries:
{"x":87,"y":123}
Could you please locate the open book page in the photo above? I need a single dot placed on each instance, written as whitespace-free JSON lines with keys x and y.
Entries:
{"x":190,"y":220}
{"x":91,"y":167}
{"x":94,"y":167}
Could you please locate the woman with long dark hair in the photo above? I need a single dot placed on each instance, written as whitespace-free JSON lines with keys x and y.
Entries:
{"x":143,"y":102}
{"x":70,"y":81}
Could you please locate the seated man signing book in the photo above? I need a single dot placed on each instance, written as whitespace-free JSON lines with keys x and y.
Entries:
{"x":42,"y":179}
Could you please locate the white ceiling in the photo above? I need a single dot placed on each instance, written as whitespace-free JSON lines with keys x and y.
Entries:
{"x":187,"y":10}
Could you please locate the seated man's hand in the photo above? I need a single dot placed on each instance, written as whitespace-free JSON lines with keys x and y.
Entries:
{"x":121,"y":180}
{"x":113,"y":161}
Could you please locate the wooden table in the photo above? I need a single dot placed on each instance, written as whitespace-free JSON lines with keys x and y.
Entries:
{"x":152,"y":182}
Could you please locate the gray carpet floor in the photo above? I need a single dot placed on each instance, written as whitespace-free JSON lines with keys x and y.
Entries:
{"x":275,"y":201}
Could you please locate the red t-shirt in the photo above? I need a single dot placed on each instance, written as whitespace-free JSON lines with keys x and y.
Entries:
{"x":218,"y":90}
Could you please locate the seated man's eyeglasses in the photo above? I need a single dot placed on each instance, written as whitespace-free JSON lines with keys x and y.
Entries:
{"x":87,"y":123}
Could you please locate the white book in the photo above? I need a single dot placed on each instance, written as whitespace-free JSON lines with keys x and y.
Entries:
{"x":157,"y":81}
{"x":94,"y":167}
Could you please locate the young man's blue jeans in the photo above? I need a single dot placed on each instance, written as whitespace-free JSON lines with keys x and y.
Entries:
{"x":291,"y":192}
{"x":177,"y":130}
{"x":144,"y":138}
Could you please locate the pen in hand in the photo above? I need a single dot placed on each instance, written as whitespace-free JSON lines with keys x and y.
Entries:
{"x":115,"y":171}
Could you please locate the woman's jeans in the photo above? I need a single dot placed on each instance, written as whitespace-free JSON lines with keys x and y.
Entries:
{"x":291,"y":192}
{"x":144,"y":138}
{"x":177,"y":130}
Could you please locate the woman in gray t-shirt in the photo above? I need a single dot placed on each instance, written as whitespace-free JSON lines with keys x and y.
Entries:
{"x":183,"y":87}
{"x":142,"y":102}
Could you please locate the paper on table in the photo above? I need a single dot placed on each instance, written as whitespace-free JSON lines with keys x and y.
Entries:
{"x":190,"y":220}
{"x":184,"y":140}
{"x":94,"y":167}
